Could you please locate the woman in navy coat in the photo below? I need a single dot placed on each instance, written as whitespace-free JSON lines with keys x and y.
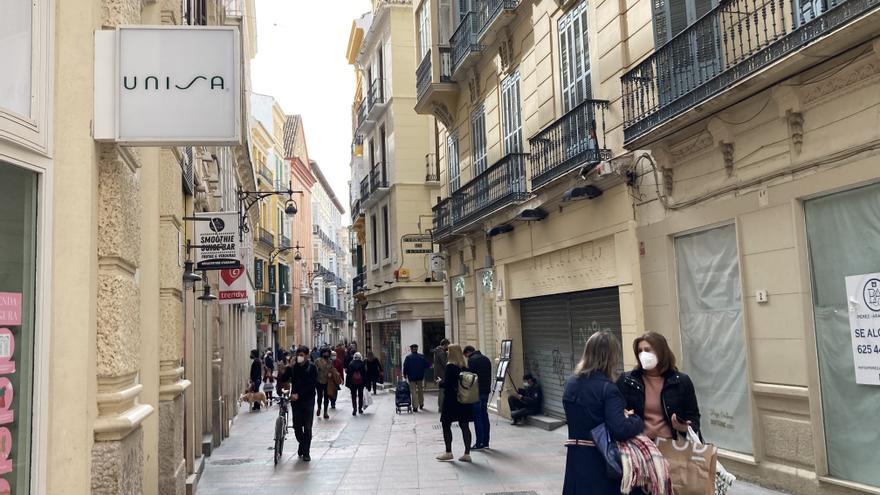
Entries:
{"x":590,"y":399}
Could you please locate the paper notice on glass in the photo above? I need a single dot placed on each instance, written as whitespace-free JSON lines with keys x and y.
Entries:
{"x":10,"y":308}
{"x":863,"y":299}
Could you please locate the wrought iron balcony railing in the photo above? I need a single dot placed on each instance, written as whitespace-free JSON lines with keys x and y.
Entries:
{"x":490,"y":10}
{"x":573,"y":140}
{"x":423,"y":75}
{"x":499,"y":185}
{"x":464,"y":39}
{"x":442,"y":219}
{"x":376,"y":94}
{"x":365,"y":188}
{"x":327,"y":311}
{"x":284,"y":242}
{"x":285,"y":299}
{"x":266,"y":173}
{"x":357,"y":283}
{"x":356,"y":210}
{"x":733,"y":41}
{"x":267,"y":237}
{"x":265,"y":299}
{"x":377,"y":178}
{"x":362,"y":110}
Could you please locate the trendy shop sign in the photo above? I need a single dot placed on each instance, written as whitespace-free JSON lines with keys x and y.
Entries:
{"x":167,"y":85}
{"x":863,"y":297}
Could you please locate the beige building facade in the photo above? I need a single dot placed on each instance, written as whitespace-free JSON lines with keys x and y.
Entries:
{"x":395,"y":179}
{"x":118,"y":378}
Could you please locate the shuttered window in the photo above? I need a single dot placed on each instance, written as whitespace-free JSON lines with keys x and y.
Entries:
{"x":452,"y":159}
{"x":478,"y":135}
{"x":574,"y":57}
{"x":511,"y":117}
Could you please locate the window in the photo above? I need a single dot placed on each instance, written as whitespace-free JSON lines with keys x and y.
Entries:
{"x":382,"y":151}
{"x":446,"y":22}
{"x":478,"y":136}
{"x":690,"y":64}
{"x":386,"y":229}
{"x":380,"y":63}
{"x":374,"y":239}
{"x":574,"y":57}
{"x":511,"y":118}
{"x":16,"y":56}
{"x":464,"y":7}
{"x":452,"y":159}
{"x":424,"y":30}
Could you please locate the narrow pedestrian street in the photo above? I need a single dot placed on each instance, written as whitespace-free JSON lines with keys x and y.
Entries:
{"x":386,"y":453}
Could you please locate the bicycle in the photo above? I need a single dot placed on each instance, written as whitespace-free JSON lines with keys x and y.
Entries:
{"x":281,"y":426}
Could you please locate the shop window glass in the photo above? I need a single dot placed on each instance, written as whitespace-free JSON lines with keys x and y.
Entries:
{"x":712,"y":341}
{"x":16,"y":55}
{"x":843,"y":233}
{"x":18,"y":211}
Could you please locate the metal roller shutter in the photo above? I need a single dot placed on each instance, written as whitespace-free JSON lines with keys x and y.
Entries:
{"x":555,"y":329}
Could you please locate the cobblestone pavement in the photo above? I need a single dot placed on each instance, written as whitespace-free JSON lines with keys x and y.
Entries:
{"x":385,"y":453}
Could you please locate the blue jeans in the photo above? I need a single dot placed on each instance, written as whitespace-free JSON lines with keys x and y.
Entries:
{"x":481,"y":420}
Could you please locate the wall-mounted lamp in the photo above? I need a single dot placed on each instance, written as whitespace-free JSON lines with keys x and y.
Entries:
{"x":499,"y":229}
{"x":583,"y":192}
{"x":189,"y":276}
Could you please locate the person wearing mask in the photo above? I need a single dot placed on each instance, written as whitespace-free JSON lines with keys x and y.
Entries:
{"x":374,"y":372}
{"x":440,"y":367}
{"x":325,"y":376}
{"x":482,"y":366}
{"x":256,"y":376}
{"x":336,"y":359}
{"x":527,"y":400}
{"x":452,"y":410}
{"x":349,"y":354}
{"x":354,"y":380}
{"x":590,"y":398}
{"x":303,"y":379}
{"x":268,"y":364}
{"x":414,"y":367}
{"x":656,"y":382}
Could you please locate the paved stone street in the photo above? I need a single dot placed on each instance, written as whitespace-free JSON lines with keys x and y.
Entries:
{"x":385,"y":453}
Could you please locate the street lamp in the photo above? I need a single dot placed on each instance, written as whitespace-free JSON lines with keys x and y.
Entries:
{"x":189,"y":276}
{"x":247,"y":200}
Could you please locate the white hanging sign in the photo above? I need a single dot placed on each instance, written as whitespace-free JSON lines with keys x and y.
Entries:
{"x":218,"y":241}
{"x":168,"y":85}
{"x":863,"y":297}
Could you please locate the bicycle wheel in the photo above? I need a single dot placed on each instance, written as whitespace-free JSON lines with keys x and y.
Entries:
{"x":280,"y":433}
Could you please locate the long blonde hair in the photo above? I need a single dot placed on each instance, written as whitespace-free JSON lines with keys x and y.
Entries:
{"x":455,"y":356}
{"x":602,"y":354}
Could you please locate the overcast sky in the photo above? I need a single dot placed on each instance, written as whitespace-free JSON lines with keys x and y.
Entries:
{"x":301,"y":62}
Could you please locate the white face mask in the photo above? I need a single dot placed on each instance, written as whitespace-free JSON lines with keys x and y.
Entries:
{"x":300,"y":359}
{"x":648,"y":360}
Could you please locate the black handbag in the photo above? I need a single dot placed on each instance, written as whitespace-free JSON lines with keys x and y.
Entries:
{"x":608,"y":448}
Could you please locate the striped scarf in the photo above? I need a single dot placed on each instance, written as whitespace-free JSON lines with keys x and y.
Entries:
{"x":643,"y":466}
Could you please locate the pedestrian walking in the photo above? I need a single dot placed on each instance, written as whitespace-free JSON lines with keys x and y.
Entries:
{"x":440,"y":368}
{"x":349,"y":353}
{"x":482,"y":366}
{"x":256,"y":376}
{"x":375,"y":373}
{"x":325,"y":377}
{"x":354,"y":380}
{"x":591,"y":398}
{"x":268,"y":364}
{"x":303,"y":377}
{"x":414,"y":367}
{"x":336,"y":359}
{"x":452,"y":410}
{"x":526,"y":401}
{"x":656,"y":382}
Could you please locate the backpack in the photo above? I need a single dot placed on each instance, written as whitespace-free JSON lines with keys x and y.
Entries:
{"x":356,"y":378}
{"x":468,"y":388}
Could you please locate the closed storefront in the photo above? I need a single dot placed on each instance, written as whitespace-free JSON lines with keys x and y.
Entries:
{"x":389,"y":345}
{"x":555,"y":329}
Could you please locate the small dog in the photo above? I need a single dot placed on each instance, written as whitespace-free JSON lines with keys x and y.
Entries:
{"x":251,"y":397}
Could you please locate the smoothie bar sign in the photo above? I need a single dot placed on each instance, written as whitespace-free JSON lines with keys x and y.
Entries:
{"x":863,"y":297}
{"x":218,"y":239}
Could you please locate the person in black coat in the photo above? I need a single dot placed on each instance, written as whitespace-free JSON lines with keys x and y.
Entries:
{"x":452,"y":410}
{"x":658,"y":392}
{"x":256,"y":376}
{"x":355,"y":379}
{"x":590,"y":399}
{"x":482,"y":366}
{"x":303,"y":377}
{"x":527,"y":401}
{"x":375,"y":373}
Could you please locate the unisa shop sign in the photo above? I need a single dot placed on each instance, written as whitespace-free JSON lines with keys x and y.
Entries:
{"x":168,"y":85}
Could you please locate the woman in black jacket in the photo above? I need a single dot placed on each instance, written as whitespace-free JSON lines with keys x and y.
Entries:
{"x":660,"y":394}
{"x":453,"y":411}
{"x":355,"y":379}
{"x":256,"y":376}
{"x":374,"y":371}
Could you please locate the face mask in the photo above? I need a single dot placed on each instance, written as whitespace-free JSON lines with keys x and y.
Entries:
{"x":300,"y":359}
{"x":648,"y":360}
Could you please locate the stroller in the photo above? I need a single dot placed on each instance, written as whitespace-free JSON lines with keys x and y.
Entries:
{"x":402,"y":400}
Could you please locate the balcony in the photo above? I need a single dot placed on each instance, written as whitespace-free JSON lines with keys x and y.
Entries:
{"x":266,"y":174}
{"x":465,"y":46}
{"x":502,"y":184}
{"x":570,"y":142}
{"x":285,"y":299}
{"x":371,"y":107}
{"x":442,"y":220}
{"x":494,"y":15}
{"x":357,"y":210}
{"x":362,"y":114}
{"x":267,"y":238}
{"x":329,"y":312}
{"x":434,"y":85}
{"x":284,"y":242}
{"x":739,"y":41}
{"x":357,"y":283}
{"x":265,"y":300}
{"x":365,"y":190}
{"x":432,"y":169}
{"x":378,"y":185}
